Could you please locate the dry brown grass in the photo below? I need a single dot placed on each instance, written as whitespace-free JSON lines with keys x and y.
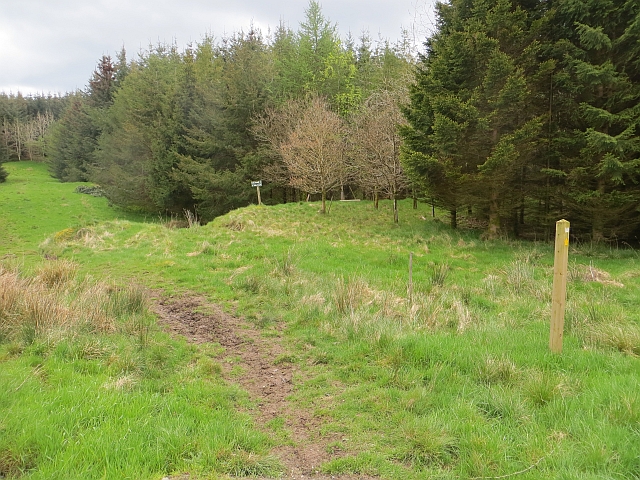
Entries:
{"x":622,"y":337}
{"x":57,"y":273}
{"x":55,"y":299}
{"x":349,"y":294}
{"x":28,"y":305}
{"x":589,"y":273}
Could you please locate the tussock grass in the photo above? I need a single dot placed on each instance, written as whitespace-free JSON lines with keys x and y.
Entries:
{"x":439,"y":273}
{"x":244,"y":464}
{"x":622,"y":337}
{"x":286,"y":266}
{"x":57,"y":273}
{"x":349,"y":295}
{"x":56,"y":299}
{"x":30,"y":307}
{"x":501,"y":371}
{"x":429,"y":444}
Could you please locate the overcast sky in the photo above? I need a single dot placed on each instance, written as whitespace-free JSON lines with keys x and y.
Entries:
{"x":53,"y":46}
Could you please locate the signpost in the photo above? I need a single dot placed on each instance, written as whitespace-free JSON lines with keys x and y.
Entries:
{"x":559,"y":296}
{"x":257,"y":184}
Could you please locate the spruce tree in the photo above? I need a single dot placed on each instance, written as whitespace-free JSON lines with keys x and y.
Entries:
{"x":73,"y":141}
{"x":472,"y":122}
{"x":102,"y":83}
{"x":439,"y":113}
{"x":219,"y":157}
{"x":597,"y":119}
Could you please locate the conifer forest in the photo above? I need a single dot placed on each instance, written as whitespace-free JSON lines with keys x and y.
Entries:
{"x":511,"y":115}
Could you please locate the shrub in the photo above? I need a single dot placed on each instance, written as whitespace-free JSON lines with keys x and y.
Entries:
{"x":3,"y":174}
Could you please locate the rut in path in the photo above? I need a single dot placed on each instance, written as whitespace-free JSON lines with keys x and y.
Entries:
{"x":269,"y":385}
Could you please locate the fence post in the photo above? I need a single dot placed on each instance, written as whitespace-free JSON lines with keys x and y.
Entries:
{"x":410,"y":278}
{"x":559,"y":295}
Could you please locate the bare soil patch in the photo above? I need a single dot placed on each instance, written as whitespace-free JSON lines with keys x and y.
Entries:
{"x":269,"y":384}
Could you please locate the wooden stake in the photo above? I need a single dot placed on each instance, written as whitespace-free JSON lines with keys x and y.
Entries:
{"x":559,"y":296}
{"x":410,"y":278}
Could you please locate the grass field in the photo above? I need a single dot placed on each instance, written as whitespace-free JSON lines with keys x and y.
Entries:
{"x":456,"y":382}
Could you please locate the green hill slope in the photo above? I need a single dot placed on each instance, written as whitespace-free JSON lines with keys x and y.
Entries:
{"x":453,"y":381}
{"x":33,"y":206}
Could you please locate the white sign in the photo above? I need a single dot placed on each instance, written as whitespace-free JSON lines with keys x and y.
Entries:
{"x":256,"y":184}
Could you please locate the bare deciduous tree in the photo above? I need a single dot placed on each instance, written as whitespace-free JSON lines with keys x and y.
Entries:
{"x":376,"y":147}
{"x":309,"y":139}
{"x":27,"y":137}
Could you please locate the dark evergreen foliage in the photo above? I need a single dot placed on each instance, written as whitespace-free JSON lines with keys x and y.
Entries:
{"x":73,"y":142}
{"x":596,"y":114}
{"x":526,"y":113}
{"x":3,"y":158}
{"x":102,"y":83}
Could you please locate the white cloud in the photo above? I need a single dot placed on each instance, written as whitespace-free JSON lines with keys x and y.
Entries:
{"x":54,"y":45}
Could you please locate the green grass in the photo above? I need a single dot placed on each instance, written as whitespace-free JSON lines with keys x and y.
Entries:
{"x":459,"y":383}
{"x":89,"y":387}
{"x":34,"y":205}
{"x":119,"y":413}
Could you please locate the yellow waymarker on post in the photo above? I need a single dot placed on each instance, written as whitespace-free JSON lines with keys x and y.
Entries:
{"x":559,"y":296}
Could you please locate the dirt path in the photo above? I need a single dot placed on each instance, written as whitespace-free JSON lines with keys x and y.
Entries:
{"x":268,"y":384}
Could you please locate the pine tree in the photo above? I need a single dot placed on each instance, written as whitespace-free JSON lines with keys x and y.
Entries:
{"x":136,"y":158}
{"x":597,"y":119}
{"x":102,"y":83}
{"x":472,"y":125}
{"x":508,"y":124}
{"x":219,"y":157}
{"x":72,"y":142}
{"x":437,"y":153}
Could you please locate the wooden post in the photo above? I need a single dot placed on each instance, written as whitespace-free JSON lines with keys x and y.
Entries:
{"x":258,"y":184}
{"x":559,"y":296}
{"x":410,"y":278}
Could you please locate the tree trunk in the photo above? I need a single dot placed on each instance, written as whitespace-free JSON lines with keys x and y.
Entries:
{"x":342,"y":197}
{"x":395,"y":209}
{"x":18,"y":137}
{"x":375,"y":199}
{"x":494,"y":217}
{"x":597,"y":224}
{"x":324,"y":202}
{"x":453,"y":214}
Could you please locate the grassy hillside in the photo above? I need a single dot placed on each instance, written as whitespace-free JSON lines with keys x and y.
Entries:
{"x":454,"y":382}
{"x":33,"y":205}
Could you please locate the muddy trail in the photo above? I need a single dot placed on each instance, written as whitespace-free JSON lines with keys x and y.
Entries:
{"x":269,"y":382}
